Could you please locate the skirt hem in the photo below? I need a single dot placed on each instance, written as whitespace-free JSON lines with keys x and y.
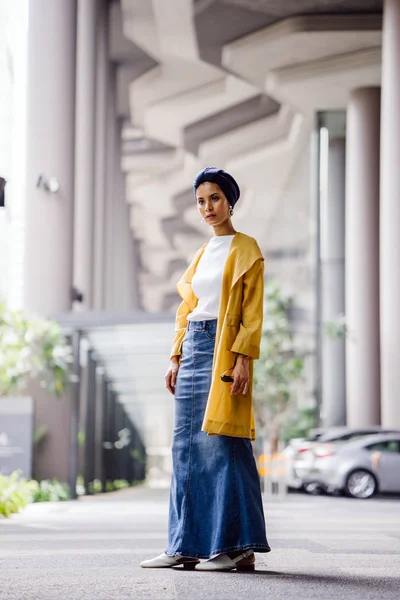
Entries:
{"x":255,"y":547}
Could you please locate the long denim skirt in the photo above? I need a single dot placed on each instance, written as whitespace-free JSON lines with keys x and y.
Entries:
{"x":215,"y":499}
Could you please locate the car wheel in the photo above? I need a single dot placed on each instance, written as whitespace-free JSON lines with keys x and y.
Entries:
{"x":361,"y":484}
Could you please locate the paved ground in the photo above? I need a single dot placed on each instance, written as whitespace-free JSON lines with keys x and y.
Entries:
{"x":90,"y":549}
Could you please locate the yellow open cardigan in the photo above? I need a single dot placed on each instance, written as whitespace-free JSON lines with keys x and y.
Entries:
{"x":238,"y":332}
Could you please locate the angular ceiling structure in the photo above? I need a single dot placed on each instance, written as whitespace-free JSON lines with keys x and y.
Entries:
{"x":232,"y":83}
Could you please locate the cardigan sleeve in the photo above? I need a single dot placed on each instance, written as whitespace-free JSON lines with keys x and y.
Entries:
{"x":249,"y":336}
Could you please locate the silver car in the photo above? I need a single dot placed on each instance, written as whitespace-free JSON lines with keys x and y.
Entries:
{"x":298,"y":453}
{"x":359,"y":467}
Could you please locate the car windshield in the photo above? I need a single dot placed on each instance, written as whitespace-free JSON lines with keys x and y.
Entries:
{"x":343,"y":437}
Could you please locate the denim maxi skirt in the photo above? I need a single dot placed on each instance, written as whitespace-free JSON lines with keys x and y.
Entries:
{"x":215,"y":499}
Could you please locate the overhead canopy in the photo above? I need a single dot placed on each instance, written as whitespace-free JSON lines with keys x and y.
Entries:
{"x":133,"y":349}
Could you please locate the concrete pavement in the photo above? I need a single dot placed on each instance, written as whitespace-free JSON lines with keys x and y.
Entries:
{"x":90,"y":549}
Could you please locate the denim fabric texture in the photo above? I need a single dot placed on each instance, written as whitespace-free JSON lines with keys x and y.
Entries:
{"x":215,"y":499}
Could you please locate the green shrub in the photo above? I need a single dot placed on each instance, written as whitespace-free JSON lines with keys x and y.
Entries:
{"x":15,"y":493}
{"x":95,"y":487}
{"x":120,"y":484}
{"x":50,"y":491}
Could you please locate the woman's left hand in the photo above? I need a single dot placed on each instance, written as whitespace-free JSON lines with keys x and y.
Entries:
{"x":241,"y":376}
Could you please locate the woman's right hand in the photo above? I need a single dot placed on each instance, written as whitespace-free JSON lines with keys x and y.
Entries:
{"x":170,"y":377}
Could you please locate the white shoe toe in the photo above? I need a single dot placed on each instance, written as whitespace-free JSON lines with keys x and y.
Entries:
{"x":222,"y":562}
{"x":159,"y":562}
{"x":164,"y":561}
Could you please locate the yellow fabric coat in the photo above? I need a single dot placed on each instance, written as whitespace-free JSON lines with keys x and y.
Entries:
{"x":238,"y":332}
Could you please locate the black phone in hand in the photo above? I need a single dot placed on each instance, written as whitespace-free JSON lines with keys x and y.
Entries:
{"x":227,"y":378}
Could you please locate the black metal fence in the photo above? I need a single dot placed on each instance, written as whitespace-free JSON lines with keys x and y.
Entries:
{"x":106,"y":448}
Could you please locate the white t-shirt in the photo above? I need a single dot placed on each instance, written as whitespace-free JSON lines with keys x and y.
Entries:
{"x":207,"y":280}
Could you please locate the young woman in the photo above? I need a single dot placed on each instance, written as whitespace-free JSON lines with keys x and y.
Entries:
{"x":216,"y":509}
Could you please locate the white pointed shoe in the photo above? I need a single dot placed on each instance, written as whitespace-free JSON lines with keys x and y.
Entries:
{"x":164,"y":561}
{"x":223,"y":562}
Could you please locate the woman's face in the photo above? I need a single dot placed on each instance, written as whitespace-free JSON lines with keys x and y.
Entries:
{"x":212,"y":204}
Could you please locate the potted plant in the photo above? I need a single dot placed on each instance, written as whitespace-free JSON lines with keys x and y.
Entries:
{"x":32,"y":347}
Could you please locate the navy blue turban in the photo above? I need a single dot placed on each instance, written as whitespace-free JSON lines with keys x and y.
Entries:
{"x":225,"y":181}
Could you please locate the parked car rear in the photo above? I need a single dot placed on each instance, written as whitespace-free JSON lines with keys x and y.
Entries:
{"x":298,"y":452}
{"x":359,"y":467}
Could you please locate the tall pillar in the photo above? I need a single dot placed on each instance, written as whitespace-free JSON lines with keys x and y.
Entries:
{"x":102,"y":74}
{"x":332,"y":280}
{"x":84,"y":150}
{"x":127,"y":282}
{"x":119,"y":264}
{"x":390,"y":216}
{"x":136,"y":295}
{"x":130,"y":295}
{"x":121,"y":276}
{"x":50,"y":153}
{"x":126,"y":296}
{"x":112,"y":235}
{"x":362,"y":257}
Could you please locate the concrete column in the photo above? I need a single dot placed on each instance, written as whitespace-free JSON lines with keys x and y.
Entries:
{"x":136,"y":295}
{"x":50,"y":153}
{"x":85,"y":151}
{"x":50,"y":135}
{"x":128,"y":279}
{"x":126,"y":293}
{"x":362,"y":257}
{"x":102,"y":74}
{"x":120,"y":264}
{"x":332,"y":280}
{"x":121,"y":268}
{"x":390,"y":216}
{"x":112,"y":235}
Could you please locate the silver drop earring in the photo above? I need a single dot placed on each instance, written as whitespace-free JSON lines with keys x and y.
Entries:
{"x":231,"y":211}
